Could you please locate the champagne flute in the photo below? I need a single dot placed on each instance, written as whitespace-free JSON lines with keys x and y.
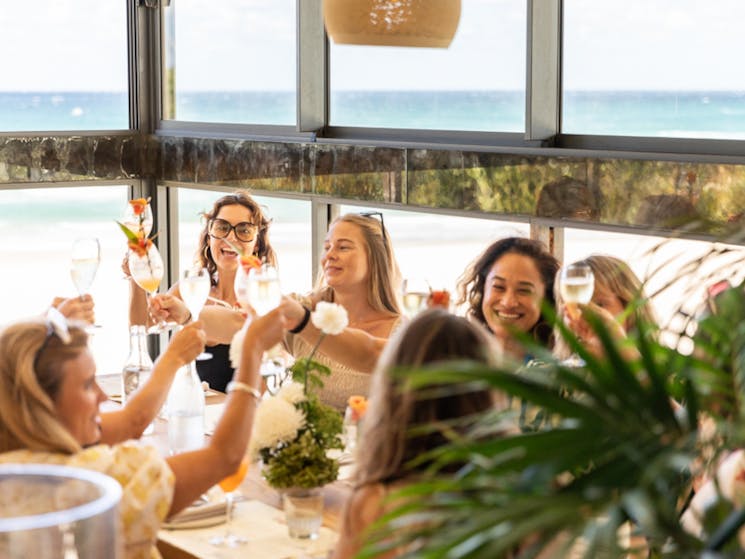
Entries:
{"x":576,"y":285}
{"x":147,"y":270}
{"x":264,"y":294}
{"x":229,"y":485}
{"x":414,"y":297}
{"x":195,"y":288}
{"x":84,"y":261}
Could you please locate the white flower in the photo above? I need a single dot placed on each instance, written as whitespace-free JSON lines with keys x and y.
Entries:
{"x":292,"y":392}
{"x":276,"y":420}
{"x":236,"y":347}
{"x":330,"y":318}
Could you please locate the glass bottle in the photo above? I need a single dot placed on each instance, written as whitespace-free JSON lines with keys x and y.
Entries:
{"x":138,"y":367}
{"x":186,"y":411}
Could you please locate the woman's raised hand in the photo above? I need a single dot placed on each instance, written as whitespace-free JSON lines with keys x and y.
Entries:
{"x":578,"y":324}
{"x":169,"y":308}
{"x":76,"y":308}
{"x":186,"y":344}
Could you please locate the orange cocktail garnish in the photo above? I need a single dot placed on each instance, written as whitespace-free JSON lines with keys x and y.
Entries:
{"x":358,"y":405}
{"x":231,"y":482}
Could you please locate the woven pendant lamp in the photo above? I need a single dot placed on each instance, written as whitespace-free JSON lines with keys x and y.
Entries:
{"x":395,"y":23}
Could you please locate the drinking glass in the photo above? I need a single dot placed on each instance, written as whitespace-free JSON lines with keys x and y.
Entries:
{"x":576,"y":285}
{"x":195,"y":288}
{"x":415,"y":293}
{"x":263,"y":291}
{"x":84,"y":261}
{"x":264,"y":294}
{"x":142,"y":224}
{"x":147,"y":271}
{"x":229,"y":485}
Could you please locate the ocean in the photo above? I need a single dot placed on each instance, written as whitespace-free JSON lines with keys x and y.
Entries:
{"x":705,"y":114}
{"x":38,"y":226}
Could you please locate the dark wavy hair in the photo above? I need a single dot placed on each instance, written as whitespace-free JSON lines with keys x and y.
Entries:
{"x":471,"y":283}
{"x":263,"y":248}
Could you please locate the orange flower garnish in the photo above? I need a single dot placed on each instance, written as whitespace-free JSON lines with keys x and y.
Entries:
{"x":439,"y":298}
{"x":140,"y":245}
{"x":250,"y":261}
{"x":358,"y":405}
{"x":139,"y":205}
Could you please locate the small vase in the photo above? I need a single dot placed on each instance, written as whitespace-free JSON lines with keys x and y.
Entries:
{"x":303,"y":511}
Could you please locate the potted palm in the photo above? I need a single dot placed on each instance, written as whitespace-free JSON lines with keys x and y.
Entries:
{"x":608,"y":475}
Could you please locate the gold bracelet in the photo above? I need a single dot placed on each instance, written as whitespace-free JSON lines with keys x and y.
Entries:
{"x":234,"y":385}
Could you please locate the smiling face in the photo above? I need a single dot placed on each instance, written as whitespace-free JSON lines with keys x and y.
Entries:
{"x":224,"y":256}
{"x":513,"y":292}
{"x":78,"y":399}
{"x":344,"y":258}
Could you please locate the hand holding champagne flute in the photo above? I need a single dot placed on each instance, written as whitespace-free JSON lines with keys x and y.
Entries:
{"x":229,"y":485}
{"x":194,"y":288}
{"x":84,"y":261}
{"x":576,"y":285}
{"x":146,"y":267}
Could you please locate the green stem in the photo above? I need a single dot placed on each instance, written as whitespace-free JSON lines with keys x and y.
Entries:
{"x":307,"y":363}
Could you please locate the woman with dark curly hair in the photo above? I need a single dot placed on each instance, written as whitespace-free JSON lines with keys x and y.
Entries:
{"x":235,"y":221}
{"x":504,"y":289}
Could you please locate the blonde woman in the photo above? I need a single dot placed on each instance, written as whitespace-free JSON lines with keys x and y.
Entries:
{"x":388,"y":445}
{"x":618,"y":299}
{"x":49,"y":413}
{"x":359,"y":272}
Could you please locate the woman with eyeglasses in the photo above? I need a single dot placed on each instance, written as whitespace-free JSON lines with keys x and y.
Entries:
{"x":358,"y":272}
{"x":235,"y":221}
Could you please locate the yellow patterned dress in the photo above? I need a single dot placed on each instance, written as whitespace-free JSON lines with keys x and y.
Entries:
{"x":146,"y":480}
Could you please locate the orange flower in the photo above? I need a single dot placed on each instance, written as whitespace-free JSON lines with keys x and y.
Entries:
{"x":439,"y":298}
{"x":139,"y":205}
{"x":358,"y":405}
{"x":140,"y":245}
{"x":249,"y":261}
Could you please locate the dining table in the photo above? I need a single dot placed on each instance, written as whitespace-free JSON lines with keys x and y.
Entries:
{"x":258,"y":515}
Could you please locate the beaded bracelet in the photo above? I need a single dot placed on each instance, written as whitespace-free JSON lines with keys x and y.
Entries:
{"x":234,"y":385}
{"x":303,"y":322}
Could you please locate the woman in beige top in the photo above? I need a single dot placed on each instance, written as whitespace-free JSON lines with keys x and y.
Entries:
{"x":387,"y":445}
{"x":360,"y":273}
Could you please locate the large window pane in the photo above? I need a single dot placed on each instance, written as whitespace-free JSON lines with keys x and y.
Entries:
{"x":434,"y":249}
{"x":654,"y":68}
{"x":231,"y":62}
{"x":64,"y":65}
{"x":477,"y":84}
{"x":289,"y":234}
{"x":38,"y":228}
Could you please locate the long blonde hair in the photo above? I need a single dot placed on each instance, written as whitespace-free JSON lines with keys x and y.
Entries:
{"x":385,"y":277}
{"x":31,"y":360}
{"x":433,"y":336}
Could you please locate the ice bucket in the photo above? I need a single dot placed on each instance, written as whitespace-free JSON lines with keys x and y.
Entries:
{"x":56,"y":512}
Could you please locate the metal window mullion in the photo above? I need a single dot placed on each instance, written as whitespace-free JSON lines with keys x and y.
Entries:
{"x":312,"y":66}
{"x":543,"y":71}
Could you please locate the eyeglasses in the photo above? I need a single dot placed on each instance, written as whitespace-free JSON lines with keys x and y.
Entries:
{"x":244,"y":231}
{"x":382,"y":225}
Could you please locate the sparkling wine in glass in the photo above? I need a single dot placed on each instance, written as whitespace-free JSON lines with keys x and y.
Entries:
{"x":86,"y":255}
{"x":84,"y":261}
{"x":147,"y":270}
{"x":229,"y":485}
{"x":263,"y":290}
{"x":576,"y":284}
{"x":414,"y":296}
{"x":195,"y":288}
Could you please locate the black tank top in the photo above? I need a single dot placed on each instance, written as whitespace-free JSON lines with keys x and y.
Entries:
{"x":216,"y":371}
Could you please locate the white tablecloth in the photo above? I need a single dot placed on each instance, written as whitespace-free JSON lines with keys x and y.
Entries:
{"x":265,"y":529}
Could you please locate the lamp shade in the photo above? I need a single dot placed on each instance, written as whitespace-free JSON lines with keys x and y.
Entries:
{"x":396,"y":23}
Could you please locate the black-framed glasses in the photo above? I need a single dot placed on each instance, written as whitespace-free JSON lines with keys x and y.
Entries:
{"x":382,"y":225}
{"x":220,"y":229}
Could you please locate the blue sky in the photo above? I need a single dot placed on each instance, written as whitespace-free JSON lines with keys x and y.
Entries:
{"x":249,"y":44}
